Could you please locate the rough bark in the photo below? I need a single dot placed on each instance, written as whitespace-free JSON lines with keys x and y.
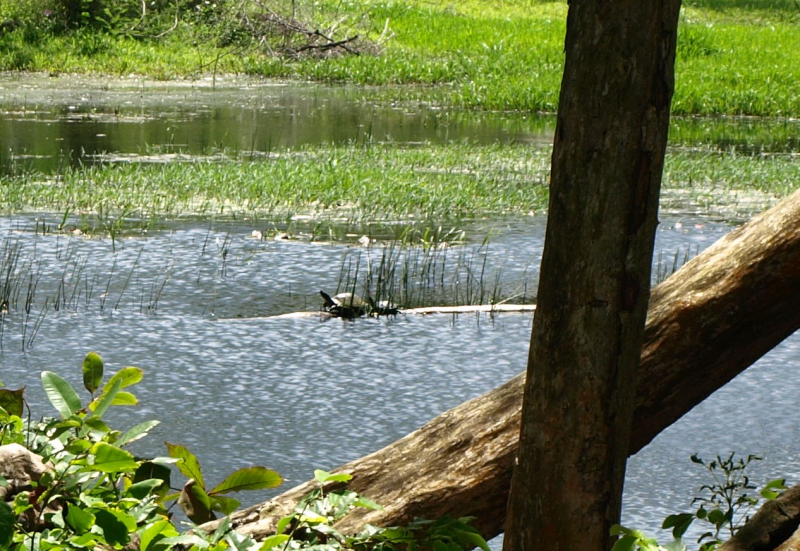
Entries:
{"x":771,"y":526}
{"x":608,"y":159}
{"x":707,"y":323}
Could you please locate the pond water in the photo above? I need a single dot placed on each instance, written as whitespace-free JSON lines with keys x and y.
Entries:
{"x":185,"y":302}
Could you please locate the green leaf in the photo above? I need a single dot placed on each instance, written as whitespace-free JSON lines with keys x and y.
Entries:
{"x":111,"y":459}
{"x":136,"y":432}
{"x":61,"y":394}
{"x":249,"y":478}
{"x":13,"y":401}
{"x":273,"y":541}
{"x":324,"y":476}
{"x":116,"y":527}
{"x":625,"y":543}
{"x":186,"y":540}
{"x":155,"y":533}
{"x":195,"y":503}
{"x":368,"y":503}
{"x":773,"y":489}
{"x":127,"y":376}
{"x":124,"y":398}
{"x":224,"y":505}
{"x":283,"y":523}
{"x":149,"y":470}
{"x":92,"y":372}
{"x":105,"y":400}
{"x":78,"y":519}
{"x":679,"y":524}
{"x":141,"y":490}
{"x":188,"y":464}
{"x":7,"y":519}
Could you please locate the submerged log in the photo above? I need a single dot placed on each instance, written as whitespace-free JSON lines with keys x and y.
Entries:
{"x":707,"y":323}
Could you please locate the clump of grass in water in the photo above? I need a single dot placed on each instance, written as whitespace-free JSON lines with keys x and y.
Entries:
{"x":403,"y":276}
{"x":27,"y":294}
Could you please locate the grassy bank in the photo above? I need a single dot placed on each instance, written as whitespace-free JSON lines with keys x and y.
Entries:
{"x":380,"y":183}
{"x":735,"y":57}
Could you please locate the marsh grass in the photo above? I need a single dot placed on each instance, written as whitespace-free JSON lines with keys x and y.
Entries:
{"x":346,"y":184}
{"x":404,"y":276}
{"x":735,"y":57}
{"x":326,"y":192}
{"x":72,"y":283}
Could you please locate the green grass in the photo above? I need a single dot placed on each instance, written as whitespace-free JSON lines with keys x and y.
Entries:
{"x":735,"y":57}
{"x":352,"y":183}
{"x":379,"y":183}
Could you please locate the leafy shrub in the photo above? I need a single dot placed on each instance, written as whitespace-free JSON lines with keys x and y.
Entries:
{"x":93,"y":493}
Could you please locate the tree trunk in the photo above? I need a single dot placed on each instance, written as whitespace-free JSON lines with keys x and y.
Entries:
{"x":586,"y":342}
{"x":707,"y":323}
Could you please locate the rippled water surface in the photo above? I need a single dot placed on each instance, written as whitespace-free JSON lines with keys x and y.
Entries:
{"x":299,"y":394}
{"x":186,"y":302}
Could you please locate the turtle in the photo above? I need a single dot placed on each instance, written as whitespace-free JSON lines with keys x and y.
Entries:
{"x":350,"y":305}
{"x":345,"y":305}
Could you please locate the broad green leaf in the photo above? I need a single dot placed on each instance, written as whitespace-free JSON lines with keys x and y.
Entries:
{"x":80,"y":520}
{"x":87,"y":541}
{"x":238,"y":541}
{"x":283,"y":523}
{"x":195,"y":503}
{"x":115,"y":528}
{"x":150,"y":470}
{"x":273,"y":541}
{"x":679,"y":523}
{"x":249,"y":478}
{"x":136,"y":432}
{"x":773,"y":489}
{"x":188,"y":464}
{"x":324,"y":476}
{"x":124,"y":398}
{"x":625,"y":543}
{"x":105,"y":400}
{"x":97,"y":425}
{"x":141,"y":490}
{"x":368,"y":503}
{"x":61,"y":394}
{"x":185,"y":540}
{"x":127,"y":376}
{"x":92,"y":372}
{"x":224,"y":505}
{"x":155,"y":533}
{"x":13,"y":401}
{"x":111,"y":459}
{"x":7,"y":519}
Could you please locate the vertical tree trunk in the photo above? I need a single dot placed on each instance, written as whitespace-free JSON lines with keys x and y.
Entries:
{"x":587,"y":333}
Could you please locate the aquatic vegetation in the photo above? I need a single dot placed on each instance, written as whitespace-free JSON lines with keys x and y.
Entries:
{"x":323,"y":186}
{"x":354,"y":183}
{"x":402,"y":276}
{"x":734,"y":58}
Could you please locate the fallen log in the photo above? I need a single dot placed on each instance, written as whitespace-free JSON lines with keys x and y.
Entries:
{"x":707,"y":323}
{"x":490,"y":309}
{"x":771,"y":526}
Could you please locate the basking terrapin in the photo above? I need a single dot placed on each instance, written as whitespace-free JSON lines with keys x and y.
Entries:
{"x":350,"y":305}
{"x":345,"y":305}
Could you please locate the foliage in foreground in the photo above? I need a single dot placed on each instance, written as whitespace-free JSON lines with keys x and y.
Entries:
{"x":725,"y":505}
{"x":95,"y":493}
